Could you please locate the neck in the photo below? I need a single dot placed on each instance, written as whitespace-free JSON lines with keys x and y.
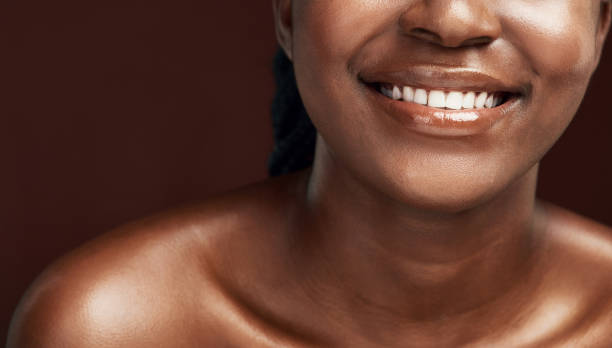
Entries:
{"x":417,"y":264}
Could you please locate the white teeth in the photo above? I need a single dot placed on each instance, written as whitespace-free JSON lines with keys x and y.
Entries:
{"x":481,"y":100}
{"x":397,"y":93}
{"x":497,"y":101}
{"x":437,"y":99}
{"x":420,"y":96}
{"x":468,"y":100}
{"x":386,"y":92}
{"x":408,"y":94}
{"x":454,"y":100}
{"x":489,"y":103}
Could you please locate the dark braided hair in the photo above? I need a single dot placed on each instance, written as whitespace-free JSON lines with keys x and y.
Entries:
{"x":294,"y":134}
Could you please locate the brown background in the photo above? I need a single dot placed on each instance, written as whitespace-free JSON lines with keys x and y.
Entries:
{"x":114,"y":110}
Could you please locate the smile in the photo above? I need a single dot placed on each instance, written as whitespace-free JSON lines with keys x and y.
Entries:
{"x":444,"y":113}
{"x":449,"y":100}
{"x":444,"y":102}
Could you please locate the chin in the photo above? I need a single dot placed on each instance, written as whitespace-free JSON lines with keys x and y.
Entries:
{"x":448,"y":201}
{"x":452,"y":191}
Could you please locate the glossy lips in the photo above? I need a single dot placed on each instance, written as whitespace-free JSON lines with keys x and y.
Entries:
{"x":446,"y":102}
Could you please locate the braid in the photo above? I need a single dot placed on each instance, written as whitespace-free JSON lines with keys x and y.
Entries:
{"x":294,"y":134}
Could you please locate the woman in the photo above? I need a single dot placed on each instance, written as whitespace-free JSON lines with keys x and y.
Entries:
{"x":417,"y":224}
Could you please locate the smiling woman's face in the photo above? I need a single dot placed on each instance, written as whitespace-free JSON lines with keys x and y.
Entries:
{"x":433,"y":144}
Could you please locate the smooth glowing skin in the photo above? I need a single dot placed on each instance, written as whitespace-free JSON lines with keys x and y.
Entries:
{"x":549,"y":46}
{"x":395,"y":238}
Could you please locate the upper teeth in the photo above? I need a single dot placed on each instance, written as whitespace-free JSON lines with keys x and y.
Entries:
{"x":453,"y":100}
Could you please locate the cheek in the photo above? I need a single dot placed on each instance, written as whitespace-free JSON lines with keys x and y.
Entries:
{"x":327,"y":34}
{"x":333,"y":30}
{"x":558,"y":37}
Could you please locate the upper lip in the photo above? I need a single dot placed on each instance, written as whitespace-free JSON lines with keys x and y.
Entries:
{"x":432,"y":77}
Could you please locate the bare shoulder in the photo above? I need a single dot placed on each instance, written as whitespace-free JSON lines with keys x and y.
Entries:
{"x":131,"y":287}
{"x":582,"y":257}
{"x":580,"y":234}
{"x":146,"y":284}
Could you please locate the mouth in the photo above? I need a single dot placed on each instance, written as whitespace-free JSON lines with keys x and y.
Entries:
{"x":461,"y":104}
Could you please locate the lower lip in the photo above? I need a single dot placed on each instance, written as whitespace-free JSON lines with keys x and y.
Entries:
{"x":440,"y":122}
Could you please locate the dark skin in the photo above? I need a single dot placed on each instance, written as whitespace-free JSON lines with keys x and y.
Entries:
{"x":394,"y":238}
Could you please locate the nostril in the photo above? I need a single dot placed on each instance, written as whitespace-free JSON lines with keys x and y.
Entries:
{"x":432,"y":37}
{"x":425,"y":35}
{"x":477,"y":41}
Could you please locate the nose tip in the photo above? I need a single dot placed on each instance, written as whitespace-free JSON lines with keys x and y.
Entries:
{"x":451,"y":23}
